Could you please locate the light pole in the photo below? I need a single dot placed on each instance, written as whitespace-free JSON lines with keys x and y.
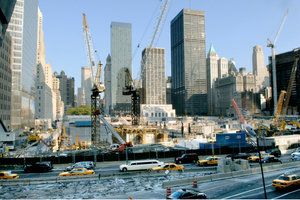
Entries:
{"x":250,"y":131}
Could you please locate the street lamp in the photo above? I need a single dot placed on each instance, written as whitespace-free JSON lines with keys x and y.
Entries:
{"x":250,"y":131}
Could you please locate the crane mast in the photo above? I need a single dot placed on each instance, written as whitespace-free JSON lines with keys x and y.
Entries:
{"x":272,"y":45}
{"x":97,"y":85}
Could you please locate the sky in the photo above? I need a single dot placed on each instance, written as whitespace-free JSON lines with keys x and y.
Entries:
{"x":233,"y":26}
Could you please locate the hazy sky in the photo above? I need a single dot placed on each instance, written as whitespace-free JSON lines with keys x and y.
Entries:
{"x":234,"y":27}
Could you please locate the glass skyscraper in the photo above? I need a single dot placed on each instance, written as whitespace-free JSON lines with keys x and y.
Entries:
{"x":23,"y":29}
{"x":188,"y":63}
{"x":121,"y":58}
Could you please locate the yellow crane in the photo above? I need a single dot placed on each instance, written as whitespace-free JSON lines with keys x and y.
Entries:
{"x":96,"y":83}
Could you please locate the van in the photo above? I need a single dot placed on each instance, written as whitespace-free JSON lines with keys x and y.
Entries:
{"x":187,"y":158}
{"x":140,"y":165}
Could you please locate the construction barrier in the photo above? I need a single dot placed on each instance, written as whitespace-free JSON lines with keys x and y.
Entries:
{"x":195,"y":184}
{"x":168,"y":191}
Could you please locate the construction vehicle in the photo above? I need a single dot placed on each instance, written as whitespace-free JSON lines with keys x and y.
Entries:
{"x":130,"y":89}
{"x":96,"y":83}
{"x":272,"y":45}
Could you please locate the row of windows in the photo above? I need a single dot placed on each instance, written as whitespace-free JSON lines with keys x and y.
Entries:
{"x":5,"y":107}
{"x":158,"y":114}
{"x":4,"y":87}
{"x":5,"y":117}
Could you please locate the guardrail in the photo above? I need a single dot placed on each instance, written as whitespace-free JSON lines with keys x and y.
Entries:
{"x":232,"y":174}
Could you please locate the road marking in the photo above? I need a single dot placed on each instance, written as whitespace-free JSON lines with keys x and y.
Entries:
{"x":287,"y":194}
{"x":246,"y":191}
{"x":220,"y":186}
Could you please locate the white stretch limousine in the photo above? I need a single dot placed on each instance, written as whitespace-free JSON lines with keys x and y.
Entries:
{"x":140,"y":165}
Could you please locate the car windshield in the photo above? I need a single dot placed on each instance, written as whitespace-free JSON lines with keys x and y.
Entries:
{"x":183,"y":156}
{"x":177,"y":195}
{"x":285,"y":178}
{"x":208,"y":158}
{"x":8,"y":173}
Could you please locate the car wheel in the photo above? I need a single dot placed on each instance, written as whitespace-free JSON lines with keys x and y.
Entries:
{"x":205,"y":164}
{"x":194,"y":161}
{"x":180,"y":161}
{"x":149,"y":170}
{"x":124,"y":169}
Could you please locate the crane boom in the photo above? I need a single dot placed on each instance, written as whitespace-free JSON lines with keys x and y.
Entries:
{"x":155,"y":34}
{"x":239,"y":113}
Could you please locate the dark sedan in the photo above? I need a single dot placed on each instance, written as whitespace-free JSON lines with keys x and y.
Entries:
{"x":269,"y":159}
{"x":238,"y":156}
{"x":187,"y":194}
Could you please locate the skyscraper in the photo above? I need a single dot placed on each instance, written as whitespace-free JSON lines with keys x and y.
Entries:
{"x":259,"y":69}
{"x":86,"y":85}
{"x":153,"y":80}
{"x":23,"y":29}
{"x":188,"y":63}
{"x":6,"y":10}
{"x":121,"y":52}
{"x":66,"y":86}
{"x":212,"y":75}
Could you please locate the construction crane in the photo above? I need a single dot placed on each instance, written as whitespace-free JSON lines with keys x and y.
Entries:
{"x":96,"y":83}
{"x":290,"y":86}
{"x":239,"y":113}
{"x":155,"y":35}
{"x":278,"y":109}
{"x":272,"y":45}
{"x":130,"y":89}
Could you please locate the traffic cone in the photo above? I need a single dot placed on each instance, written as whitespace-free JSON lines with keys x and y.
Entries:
{"x":168,"y":191}
{"x":195,"y":183}
{"x":130,"y":197}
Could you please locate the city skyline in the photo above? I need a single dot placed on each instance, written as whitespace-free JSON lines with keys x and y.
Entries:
{"x":230,"y":25}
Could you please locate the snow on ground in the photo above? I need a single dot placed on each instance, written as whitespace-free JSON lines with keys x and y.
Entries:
{"x":89,"y":189}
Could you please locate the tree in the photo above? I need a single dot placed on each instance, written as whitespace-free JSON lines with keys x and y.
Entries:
{"x":81,"y":110}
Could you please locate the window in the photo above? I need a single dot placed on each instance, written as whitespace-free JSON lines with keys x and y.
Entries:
{"x":155,"y":114}
{"x":227,"y":137}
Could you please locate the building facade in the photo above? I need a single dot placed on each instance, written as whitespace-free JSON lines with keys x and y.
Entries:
{"x":6,"y":10}
{"x":107,"y":83}
{"x":259,"y":70}
{"x":284,"y":65}
{"x":85,"y":92}
{"x":188,"y":63}
{"x":121,"y":58}
{"x":23,"y":29}
{"x":66,"y":86}
{"x":153,"y":76}
{"x":6,"y":80}
{"x":169,"y":90}
{"x":59,"y":103}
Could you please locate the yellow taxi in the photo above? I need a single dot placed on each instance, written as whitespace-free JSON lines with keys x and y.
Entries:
{"x":8,"y":175}
{"x":77,"y":172}
{"x":211,"y":160}
{"x":287,"y":180}
{"x":255,"y":158}
{"x":168,"y":166}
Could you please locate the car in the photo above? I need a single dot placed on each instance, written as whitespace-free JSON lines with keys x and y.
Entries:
{"x":8,"y":175}
{"x":187,"y":158}
{"x":83,"y":164}
{"x":168,"y":166}
{"x":39,"y":167}
{"x":286,"y":180}
{"x":140,"y":165}
{"x":255,"y":158}
{"x":187,"y":194}
{"x":275,"y":152}
{"x":211,"y":160}
{"x":77,"y":172}
{"x":269,"y":159}
{"x":295,"y":158}
{"x":296,"y":153}
{"x":238,"y":156}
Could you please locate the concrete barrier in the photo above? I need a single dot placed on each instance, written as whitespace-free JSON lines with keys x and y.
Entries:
{"x":215,"y":177}
{"x":240,"y":173}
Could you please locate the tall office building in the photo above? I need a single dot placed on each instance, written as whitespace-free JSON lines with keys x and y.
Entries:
{"x":6,"y":10}
{"x":84,"y":95}
{"x":121,"y":58}
{"x":45,"y":107}
{"x":59,"y":103}
{"x":188,"y":63}
{"x":259,"y":69}
{"x":107,"y":83}
{"x":23,"y":29}
{"x":212,"y":75}
{"x":67,"y":92}
{"x":153,"y":79}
